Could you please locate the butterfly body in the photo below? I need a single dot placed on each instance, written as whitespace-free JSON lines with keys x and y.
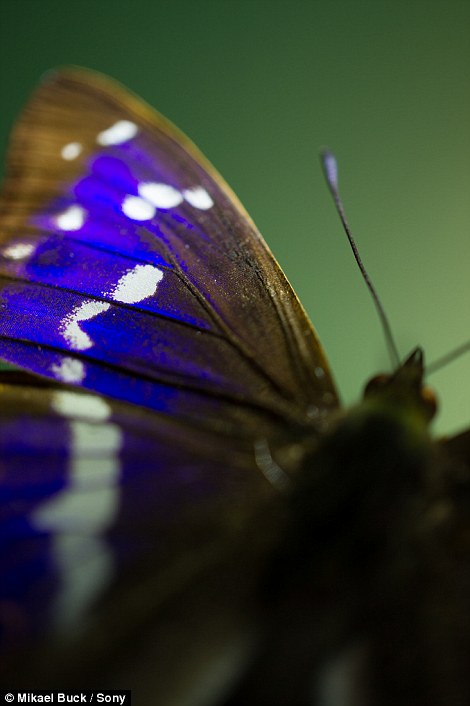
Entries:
{"x":183,"y":501}
{"x":370,"y":581}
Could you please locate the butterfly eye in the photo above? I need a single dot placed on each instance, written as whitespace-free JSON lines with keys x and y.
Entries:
{"x":376,"y":384}
{"x":423,"y":398}
{"x":429,"y":402}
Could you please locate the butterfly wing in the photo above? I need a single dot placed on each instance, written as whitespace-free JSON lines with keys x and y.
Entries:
{"x":128,"y":267}
{"x":119,"y":526}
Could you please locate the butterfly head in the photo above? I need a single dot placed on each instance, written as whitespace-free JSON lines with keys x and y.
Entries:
{"x":404,"y":389}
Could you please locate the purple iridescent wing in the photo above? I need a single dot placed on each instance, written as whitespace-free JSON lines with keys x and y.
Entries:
{"x":103,"y":500}
{"x":129,"y":268}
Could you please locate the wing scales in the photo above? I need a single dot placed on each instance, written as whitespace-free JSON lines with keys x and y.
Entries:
{"x":147,"y":194}
{"x":97,"y":516}
{"x":128,"y":267}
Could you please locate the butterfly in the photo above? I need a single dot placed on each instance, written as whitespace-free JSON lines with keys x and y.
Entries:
{"x":186,"y":510}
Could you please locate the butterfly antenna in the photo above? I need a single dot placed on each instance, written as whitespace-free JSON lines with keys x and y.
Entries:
{"x":330,"y":169}
{"x":448,"y":358}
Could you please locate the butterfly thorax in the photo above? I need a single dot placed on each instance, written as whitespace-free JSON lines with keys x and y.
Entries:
{"x":349,"y":482}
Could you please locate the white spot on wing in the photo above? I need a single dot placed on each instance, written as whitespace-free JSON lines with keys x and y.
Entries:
{"x":69,"y":370}
{"x":77,"y":339}
{"x":138,"y":209}
{"x":19,"y":251}
{"x":137,"y":284}
{"x":72,"y":218}
{"x":160,"y":195}
{"x":198,"y":197}
{"x":75,"y":404}
{"x":100,"y":440}
{"x":85,"y":566}
{"x":120,"y":132}
{"x":79,"y":515}
{"x":71,"y":151}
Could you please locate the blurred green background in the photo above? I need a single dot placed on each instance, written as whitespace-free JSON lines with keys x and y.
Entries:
{"x":260,"y":85}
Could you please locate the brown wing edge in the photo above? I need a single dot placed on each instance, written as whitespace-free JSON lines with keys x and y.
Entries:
{"x":306,"y":352}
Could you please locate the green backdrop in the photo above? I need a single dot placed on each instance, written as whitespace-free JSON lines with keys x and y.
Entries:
{"x":260,"y":86}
